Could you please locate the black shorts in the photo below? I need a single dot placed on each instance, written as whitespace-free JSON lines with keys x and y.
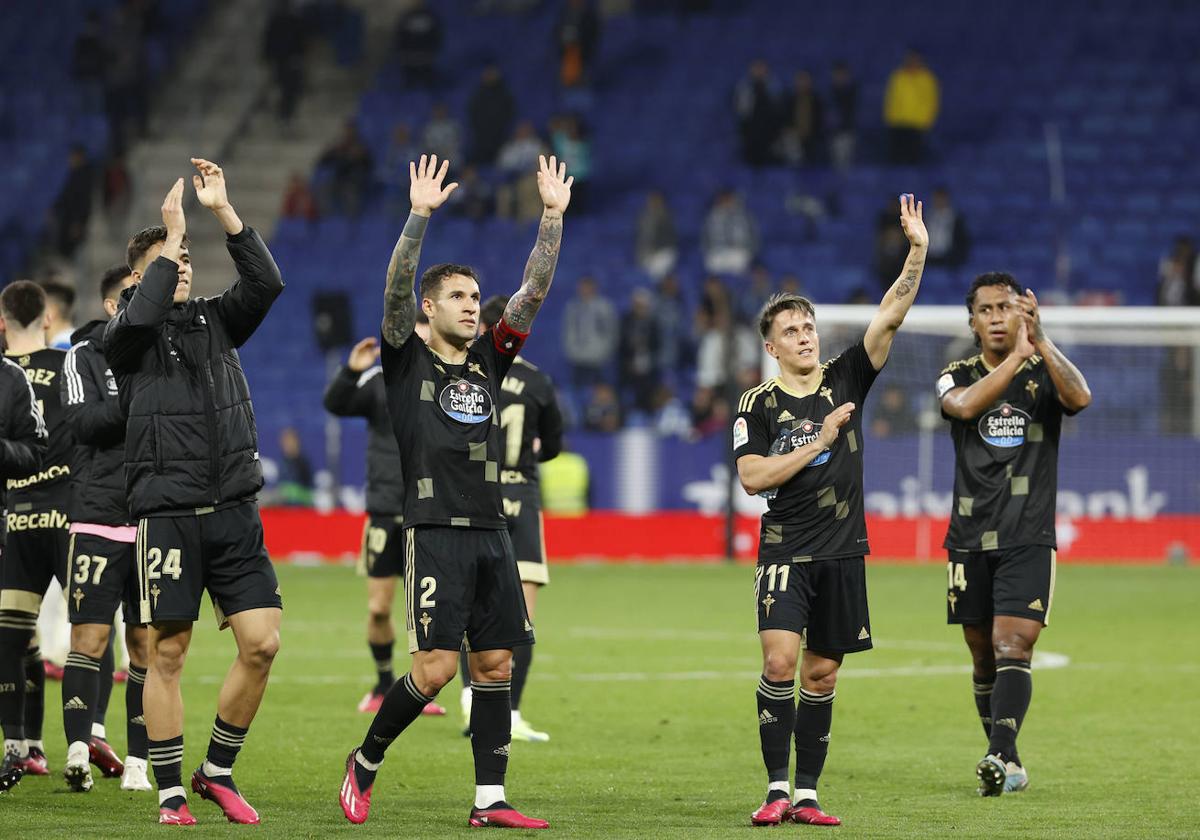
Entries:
{"x":382,"y":547}
{"x":102,"y":576}
{"x":523,"y":510}
{"x":462,"y":583}
{"x":178,"y":557}
{"x":35,"y":550}
{"x":1016,"y":581}
{"x":823,"y":600}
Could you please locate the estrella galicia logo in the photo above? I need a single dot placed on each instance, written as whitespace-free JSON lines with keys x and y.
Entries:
{"x":466,"y":402}
{"x":789,"y":439}
{"x":1004,"y":427}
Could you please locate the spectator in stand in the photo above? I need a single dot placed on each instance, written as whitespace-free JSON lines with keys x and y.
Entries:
{"x":350,"y":164}
{"x":392,"y":172}
{"x":571,"y":145}
{"x":473,"y":199}
{"x":603,"y":410}
{"x":757,"y":107}
{"x":717,"y":360}
{"x":418,"y":42}
{"x":671,"y":324}
{"x":73,"y":207}
{"x":442,"y":135}
{"x":910,"y":108}
{"x":750,"y":299}
{"x":116,"y":192}
{"x":949,"y":242}
{"x":490,"y":113}
{"x":638,"y":374}
{"x":576,"y":34}
{"x":710,"y":412}
{"x":298,"y":201}
{"x":126,"y":95}
{"x":60,"y":308}
{"x":657,"y":241}
{"x":1179,"y":275}
{"x":88,"y":58}
{"x":295,"y":485}
{"x":671,"y":418}
{"x":589,"y":334}
{"x":893,"y":415}
{"x":843,"y":116}
{"x":730,"y":236}
{"x":790,"y":284}
{"x":802,"y":139}
{"x":285,"y":41}
{"x":518,"y":198}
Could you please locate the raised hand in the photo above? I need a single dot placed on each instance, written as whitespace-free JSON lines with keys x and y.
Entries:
{"x":210,"y":185}
{"x":912,"y":220}
{"x":833,"y":423}
{"x":1024,"y":348}
{"x":172,"y":211}
{"x":1032,"y":316}
{"x":425,"y":191}
{"x":363,"y":355}
{"x":554,"y":185}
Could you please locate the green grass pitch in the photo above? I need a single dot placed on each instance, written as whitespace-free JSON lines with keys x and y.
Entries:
{"x":645,"y":677}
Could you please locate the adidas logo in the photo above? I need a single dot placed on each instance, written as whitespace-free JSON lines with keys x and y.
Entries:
{"x":824,"y":739}
{"x":863,"y":634}
{"x":139,"y":720}
{"x":766,"y":717}
{"x":1036,"y":604}
{"x":501,"y":751}
{"x":75,"y":705}
{"x":1011,"y":723}
{"x":784,"y":416}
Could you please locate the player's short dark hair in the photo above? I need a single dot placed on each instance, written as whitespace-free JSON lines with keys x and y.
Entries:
{"x":992,"y":278}
{"x":422,"y":318}
{"x":431,"y":280}
{"x":782,"y":302}
{"x":23,"y":301}
{"x":60,"y":293}
{"x":493,"y":310}
{"x":111,"y":279}
{"x":143,"y":241}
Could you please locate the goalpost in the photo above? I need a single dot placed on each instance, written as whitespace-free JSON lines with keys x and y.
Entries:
{"x":1129,"y":466}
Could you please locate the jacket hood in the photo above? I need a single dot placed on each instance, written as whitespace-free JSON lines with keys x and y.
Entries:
{"x":92,"y":329}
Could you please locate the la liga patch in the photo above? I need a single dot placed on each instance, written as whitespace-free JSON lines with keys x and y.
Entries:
{"x":741,"y":433}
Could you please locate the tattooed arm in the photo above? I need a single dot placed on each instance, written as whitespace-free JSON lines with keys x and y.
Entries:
{"x":425,"y":194}
{"x":899,"y":298}
{"x":555,"y":187}
{"x":1073,"y":391}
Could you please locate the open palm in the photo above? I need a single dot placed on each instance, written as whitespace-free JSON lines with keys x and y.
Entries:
{"x":553,"y":184}
{"x":425,"y":191}
{"x":912,"y":219}
{"x":209,"y":184}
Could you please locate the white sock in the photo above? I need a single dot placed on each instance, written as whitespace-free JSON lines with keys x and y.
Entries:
{"x":171,"y":792}
{"x":516,"y":716}
{"x":98,"y":731}
{"x":132,"y":761}
{"x":209,"y":769}
{"x":372,"y":766}
{"x":774,"y":786}
{"x":16,"y":747}
{"x":30,"y":745}
{"x":488,"y":795}
{"x":802,"y":794}
{"x":77,"y":753}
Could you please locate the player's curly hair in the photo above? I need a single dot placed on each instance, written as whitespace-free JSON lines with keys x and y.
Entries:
{"x":22,"y":301}
{"x":143,"y":241}
{"x":992,"y":278}
{"x":432,"y":279}
{"x":782,"y":302}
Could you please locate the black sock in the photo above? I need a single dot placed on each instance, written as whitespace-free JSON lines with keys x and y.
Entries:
{"x":1010,"y":702}
{"x":135,"y":721}
{"x":491,"y":730}
{"x":35,"y":693}
{"x":776,"y":717}
{"x":107,"y":666}
{"x":166,"y":759}
{"x":983,"y":703}
{"x":225,"y":743}
{"x":522,"y":659}
{"x":400,"y":708}
{"x":464,"y":667}
{"x":80,"y":686}
{"x":813,"y":718}
{"x":382,"y":654}
{"x":16,"y":629}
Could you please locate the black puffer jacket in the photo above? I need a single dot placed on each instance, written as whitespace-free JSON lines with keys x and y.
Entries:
{"x":353,"y":394}
{"x":93,"y":411}
{"x":22,"y":432}
{"x":190,"y":439}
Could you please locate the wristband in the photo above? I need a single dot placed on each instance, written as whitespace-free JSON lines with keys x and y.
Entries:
{"x":414,"y":228}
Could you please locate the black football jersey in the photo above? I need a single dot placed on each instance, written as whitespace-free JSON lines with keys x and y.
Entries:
{"x":528,"y":412}
{"x":50,"y":487}
{"x":1005,"y":460}
{"x":447,"y":426}
{"x":818,"y":513}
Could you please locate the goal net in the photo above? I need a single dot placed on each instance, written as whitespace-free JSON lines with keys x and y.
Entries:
{"x":1129,"y":466}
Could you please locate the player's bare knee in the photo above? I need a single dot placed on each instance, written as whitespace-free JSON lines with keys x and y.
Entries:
{"x":1012,"y":646}
{"x":167,"y":657}
{"x":779,"y":666}
{"x":260,"y":651}
{"x":820,"y":681}
{"x":379,"y":616}
{"x":89,"y":639}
